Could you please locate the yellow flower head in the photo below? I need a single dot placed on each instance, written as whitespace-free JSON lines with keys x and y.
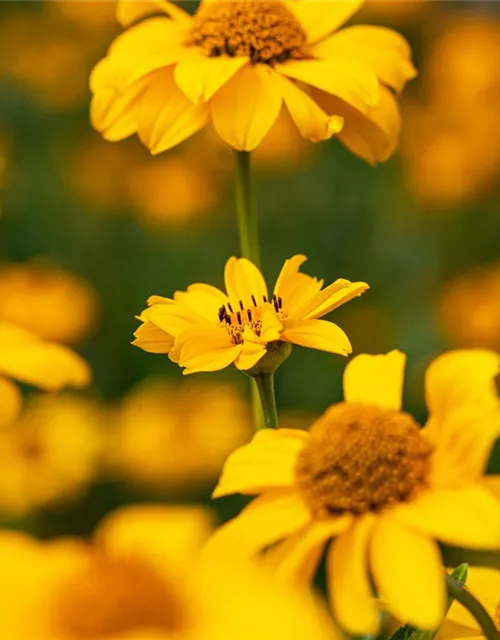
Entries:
{"x":386,"y":490}
{"x":484,"y":584}
{"x":140,"y":580}
{"x":238,"y":63}
{"x":204,"y":329}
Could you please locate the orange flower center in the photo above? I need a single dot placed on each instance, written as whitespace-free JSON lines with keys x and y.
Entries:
{"x":111,"y":596}
{"x":362,"y":459}
{"x":265,"y":31}
{"x":235,"y":321}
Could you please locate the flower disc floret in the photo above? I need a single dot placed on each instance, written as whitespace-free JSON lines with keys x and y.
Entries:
{"x":265,"y":32}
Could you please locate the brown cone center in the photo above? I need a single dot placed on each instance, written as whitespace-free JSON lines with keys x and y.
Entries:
{"x":362,"y":459}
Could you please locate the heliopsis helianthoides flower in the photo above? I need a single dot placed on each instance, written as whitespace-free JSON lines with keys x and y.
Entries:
{"x":484,"y":584}
{"x":29,"y":359}
{"x":238,"y":63}
{"x":386,"y":490}
{"x":139,"y":580}
{"x":204,"y":329}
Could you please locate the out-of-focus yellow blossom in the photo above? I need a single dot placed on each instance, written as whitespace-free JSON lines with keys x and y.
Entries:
{"x":49,"y":454}
{"x":368,"y":476}
{"x":173,"y":190}
{"x":469,"y":310}
{"x":204,"y":329}
{"x":128,"y":585}
{"x":395,"y":10}
{"x":37,"y":296}
{"x":237,"y":64}
{"x":27,"y":358}
{"x":484,"y":584}
{"x":92,"y":15}
{"x":171,"y":437}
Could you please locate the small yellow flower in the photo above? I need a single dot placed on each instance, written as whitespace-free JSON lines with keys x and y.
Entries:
{"x":27,"y":358}
{"x":484,"y":584}
{"x":140,"y":580}
{"x":203,"y":329}
{"x":237,"y":63}
{"x":368,"y":476}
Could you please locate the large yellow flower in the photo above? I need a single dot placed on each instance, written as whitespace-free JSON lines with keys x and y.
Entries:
{"x":203,"y":329}
{"x":139,"y":580}
{"x":238,"y":63}
{"x":484,"y":584}
{"x":366,"y":475}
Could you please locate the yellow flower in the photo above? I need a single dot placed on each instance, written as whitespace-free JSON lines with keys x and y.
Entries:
{"x":49,"y":454}
{"x":139,"y":580}
{"x":27,"y":358}
{"x":484,"y":584}
{"x":236,"y":63}
{"x":203,"y":329}
{"x":176,"y":437}
{"x":367,"y":476}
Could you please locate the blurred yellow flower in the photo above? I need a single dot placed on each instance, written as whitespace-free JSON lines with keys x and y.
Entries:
{"x":367,"y":476}
{"x":128,"y":585}
{"x":469,"y":310}
{"x":49,"y":454}
{"x":237,"y":63}
{"x":36,"y":296}
{"x":203,"y":329}
{"x":169,"y":437}
{"x":395,"y":10}
{"x":93,"y":15}
{"x":484,"y":584}
{"x":27,"y":358}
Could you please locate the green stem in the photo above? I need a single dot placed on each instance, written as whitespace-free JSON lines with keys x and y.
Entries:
{"x":245,"y":208}
{"x":265,"y":386}
{"x":476,"y":609}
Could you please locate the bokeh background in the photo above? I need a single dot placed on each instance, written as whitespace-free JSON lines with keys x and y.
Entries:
{"x":89,"y":229}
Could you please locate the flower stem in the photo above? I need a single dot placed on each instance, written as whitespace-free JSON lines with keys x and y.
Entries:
{"x":265,"y":386}
{"x":476,"y":609}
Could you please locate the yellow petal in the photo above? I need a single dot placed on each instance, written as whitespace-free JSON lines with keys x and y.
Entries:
{"x":382,"y":50}
{"x":166,"y":117}
{"x":200,"y":77}
{"x":130,"y":11}
{"x":10,"y":402}
{"x":319,"y":18}
{"x":295,"y":289}
{"x":268,"y":461}
{"x":312,"y":122}
{"x":354,"y":85}
{"x":349,"y":586}
{"x":266,"y":520}
{"x":465,"y":517}
{"x":203,"y":300}
{"x":246,"y":107}
{"x":330,"y":298}
{"x":375,"y":380}
{"x":409,"y":573}
{"x":174,"y":318}
{"x":151,"y":338}
{"x":462,"y":377}
{"x":251,"y":353}
{"x":243,"y":280}
{"x":317,"y":334}
{"x":27,"y":358}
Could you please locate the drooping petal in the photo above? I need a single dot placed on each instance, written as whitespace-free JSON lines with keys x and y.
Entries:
{"x":10,"y":402}
{"x":355,"y":85}
{"x":268,"y":519}
{"x":268,"y":461}
{"x":246,"y":107}
{"x":165,"y":116}
{"x":375,"y":380}
{"x":349,"y":586}
{"x":151,"y":338}
{"x":396,"y":554}
{"x":200,"y":77}
{"x":384,"y":51}
{"x":206,"y":348}
{"x":311,"y":121}
{"x":243,"y":280}
{"x":317,"y":334}
{"x":319,"y":18}
{"x":130,"y":11}
{"x":467,"y":516}
{"x":330,"y":298}
{"x":251,"y":353}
